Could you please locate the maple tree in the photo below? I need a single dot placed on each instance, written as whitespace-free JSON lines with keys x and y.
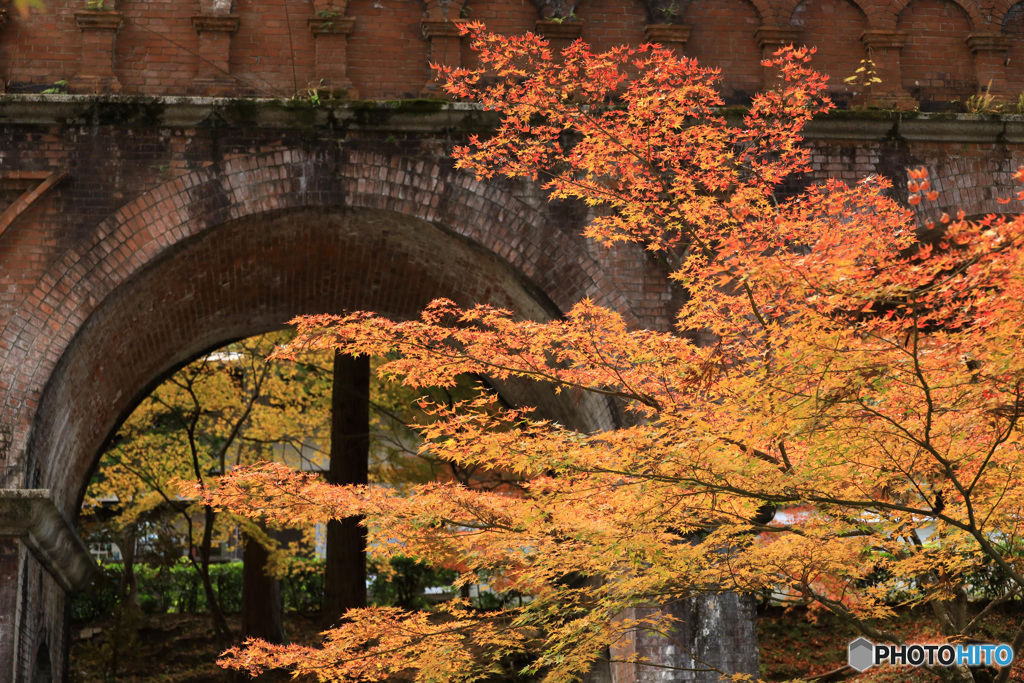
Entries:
{"x":222,"y":410}
{"x":824,"y":360}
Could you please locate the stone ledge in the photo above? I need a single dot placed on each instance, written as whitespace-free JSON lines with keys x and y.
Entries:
{"x":427,"y":115}
{"x":31,"y":516}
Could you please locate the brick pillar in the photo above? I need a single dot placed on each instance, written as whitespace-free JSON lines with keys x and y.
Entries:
{"x":213,"y":76}
{"x":445,"y":48}
{"x":990,"y":61}
{"x":770,"y":39}
{"x":331,"y":35}
{"x":884,"y":50}
{"x":10,"y":559}
{"x":671,"y":36}
{"x":99,"y":28}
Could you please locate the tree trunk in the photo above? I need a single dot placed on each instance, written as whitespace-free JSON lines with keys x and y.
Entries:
{"x":261,"y":595}
{"x":345,"y":568}
{"x":129,"y":593}
{"x":220,"y":623}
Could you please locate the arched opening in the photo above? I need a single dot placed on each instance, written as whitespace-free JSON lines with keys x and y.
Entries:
{"x":246,"y":277}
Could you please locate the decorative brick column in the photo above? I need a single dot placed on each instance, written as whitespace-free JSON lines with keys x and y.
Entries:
{"x":445,"y":48}
{"x":213,"y":76}
{"x":770,"y":39}
{"x":884,"y":50}
{"x":671,"y":36}
{"x":990,"y":61}
{"x":331,"y":35}
{"x":99,"y":28}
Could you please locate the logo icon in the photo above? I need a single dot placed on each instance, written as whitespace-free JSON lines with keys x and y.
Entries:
{"x":861,"y":655}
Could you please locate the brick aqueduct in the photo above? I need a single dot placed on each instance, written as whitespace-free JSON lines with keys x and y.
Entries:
{"x":179,"y":196}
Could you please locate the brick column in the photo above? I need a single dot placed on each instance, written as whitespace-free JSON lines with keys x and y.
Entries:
{"x":331,"y":35}
{"x":770,"y":39}
{"x":213,"y":76}
{"x":99,"y":28}
{"x":990,"y":61}
{"x":671,"y":36}
{"x":445,"y":48}
{"x":884,"y":50}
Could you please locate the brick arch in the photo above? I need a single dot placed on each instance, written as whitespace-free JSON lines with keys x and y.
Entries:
{"x":765,"y":11}
{"x":972,"y":183}
{"x":999,"y":10}
{"x":550,"y":264}
{"x":867,"y":9}
{"x":969,"y":7}
{"x":438,"y":9}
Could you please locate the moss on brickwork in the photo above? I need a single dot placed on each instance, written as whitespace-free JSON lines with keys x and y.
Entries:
{"x":128,"y":111}
{"x":242,"y":111}
{"x":380,"y":112}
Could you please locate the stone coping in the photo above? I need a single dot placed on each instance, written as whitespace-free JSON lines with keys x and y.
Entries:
{"x":432,"y":116}
{"x":31,"y":516}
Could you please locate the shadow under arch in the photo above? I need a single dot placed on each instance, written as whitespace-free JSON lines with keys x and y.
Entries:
{"x":249,"y":276}
{"x":115,"y":302}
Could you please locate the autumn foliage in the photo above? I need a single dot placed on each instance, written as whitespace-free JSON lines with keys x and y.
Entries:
{"x":824,"y":360}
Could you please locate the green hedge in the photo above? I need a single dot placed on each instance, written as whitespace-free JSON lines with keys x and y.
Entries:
{"x":178,"y":589}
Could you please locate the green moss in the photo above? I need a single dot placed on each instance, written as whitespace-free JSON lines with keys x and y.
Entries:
{"x":867,"y":115}
{"x":242,"y":111}
{"x":136,"y":111}
{"x":379,"y":112}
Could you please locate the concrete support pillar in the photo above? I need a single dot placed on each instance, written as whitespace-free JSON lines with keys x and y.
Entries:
{"x":445,"y":48}
{"x":715,"y":631}
{"x":331,"y":33}
{"x":989,"y":51}
{"x":671,"y":36}
{"x":10,"y":560}
{"x":31,"y":523}
{"x":770,"y":39}
{"x":213,"y":76}
{"x":99,"y":29}
{"x":884,"y":50}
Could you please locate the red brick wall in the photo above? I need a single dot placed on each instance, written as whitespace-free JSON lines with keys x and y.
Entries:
{"x":608,"y":23}
{"x":387,"y":51}
{"x":839,"y":56}
{"x":936,"y":62}
{"x":272,"y":52}
{"x":723,"y":36}
{"x":1013,"y":26}
{"x":151,"y":47}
